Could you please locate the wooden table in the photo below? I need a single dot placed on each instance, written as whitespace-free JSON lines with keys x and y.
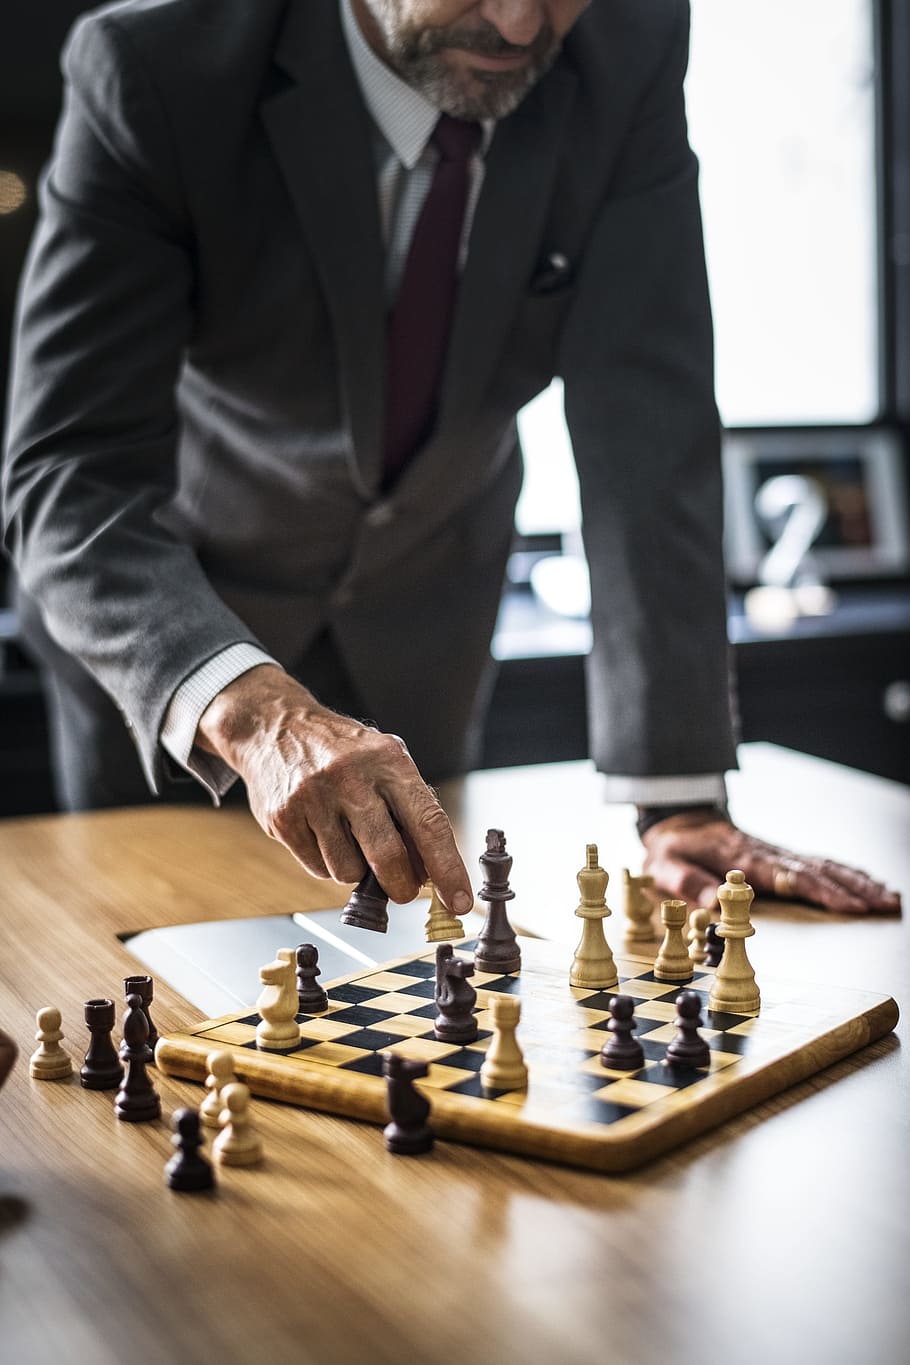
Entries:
{"x":780,"y":1236}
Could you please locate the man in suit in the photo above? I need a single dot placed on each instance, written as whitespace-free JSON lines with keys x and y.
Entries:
{"x":218,"y":556}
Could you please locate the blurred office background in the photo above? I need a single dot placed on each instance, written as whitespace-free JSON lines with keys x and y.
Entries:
{"x":800,"y":114}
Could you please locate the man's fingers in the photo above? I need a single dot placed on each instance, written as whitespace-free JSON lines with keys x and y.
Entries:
{"x":298,"y":839}
{"x":792,"y":878}
{"x":874,"y":893}
{"x":382,"y":845}
{"x":820,"y":880}
{"x":677,"y":879}
{"x":426,"y":828}
{"x":713,"y":846}
{"x":339,"y":794}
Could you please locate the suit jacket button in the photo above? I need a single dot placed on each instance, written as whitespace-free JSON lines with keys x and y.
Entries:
{"x":380,"y":515}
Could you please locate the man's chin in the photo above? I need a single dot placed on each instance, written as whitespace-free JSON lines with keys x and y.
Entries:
{"x":476,"y":93}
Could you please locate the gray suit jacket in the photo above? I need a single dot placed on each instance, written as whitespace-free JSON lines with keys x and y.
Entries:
{"x":194,"y":446}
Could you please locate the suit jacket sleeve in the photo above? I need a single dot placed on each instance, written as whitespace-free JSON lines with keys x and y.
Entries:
{"x":637,"y":361}
{"x":104,"y":317}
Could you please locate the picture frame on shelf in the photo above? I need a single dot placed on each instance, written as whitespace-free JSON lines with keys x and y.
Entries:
{"x":854,"y":479}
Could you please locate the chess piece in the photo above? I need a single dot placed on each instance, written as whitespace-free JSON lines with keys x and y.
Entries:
{"x":188,"y":1169}
{"x":442,"y":925}
{"x":496,"y":949}
{"x":49,"y":1062}
{"x":734,"y":990}
{"x":144,"y":987}
{"x":688,"y":1047}
{"x":698,"y":928}
{"x":8,"y":1054}
{"x":220,"y":1067}
{"x":639,"y":909}
{"x":368,"y":906}
{"x":408,"y":1133}
{"x":673,"y":962}
{"x":714,"y":946}
{"x":238,"y":1143}
{"x":278,"y":1030}
{"x":102,"y":1068}
{"x":455,"y":998}
{"x":593,"y":963}
{"x":622,"y":1052}
{"x":311,"y":998}
{"x":504,"y":1066}
{"x":137,"y":1100}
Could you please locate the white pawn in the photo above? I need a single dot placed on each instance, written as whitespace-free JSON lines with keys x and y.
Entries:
{"x":698,"y":929}
{"x":593,"y":964}
{"x":49,"y":1062}
{"x":673,"y":962}
{"x":441,"y":926}
{"x":238,"y":1143}
{"x":504,"y":1067}
{"x":221,"y":1073}
{"x":278,"y":1030}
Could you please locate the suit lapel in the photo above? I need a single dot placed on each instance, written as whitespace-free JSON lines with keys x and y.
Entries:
{"x":505,"y":237}
{"x":321,"y":135}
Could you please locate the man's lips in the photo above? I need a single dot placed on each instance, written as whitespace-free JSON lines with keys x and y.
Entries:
{"x":509,"y":61}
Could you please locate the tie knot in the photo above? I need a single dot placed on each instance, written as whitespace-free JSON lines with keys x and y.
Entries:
{"x":456,"y":139}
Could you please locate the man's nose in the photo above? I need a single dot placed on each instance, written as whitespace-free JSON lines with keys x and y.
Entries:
{"x":517,"y":21}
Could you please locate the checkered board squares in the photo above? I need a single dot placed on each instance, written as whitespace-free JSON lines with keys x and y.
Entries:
{"x":575,"y":1109}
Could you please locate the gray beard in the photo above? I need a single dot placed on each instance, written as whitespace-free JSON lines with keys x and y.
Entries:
{"x":417,"y":57}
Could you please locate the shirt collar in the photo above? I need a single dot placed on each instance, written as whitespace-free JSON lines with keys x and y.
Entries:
{"x":403,"y":116}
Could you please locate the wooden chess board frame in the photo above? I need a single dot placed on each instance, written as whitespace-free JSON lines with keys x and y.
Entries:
{"x":575,"y":1110}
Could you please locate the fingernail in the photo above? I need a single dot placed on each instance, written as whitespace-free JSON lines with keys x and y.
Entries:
{"x":462,"y":903}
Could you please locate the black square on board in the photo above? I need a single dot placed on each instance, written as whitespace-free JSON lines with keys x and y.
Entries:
{"x":503,"y":985}
{"x":370,"y":1039}
{"x":426,"y":989}
{"x":350,"y":994}
{"x":361,"y":1015}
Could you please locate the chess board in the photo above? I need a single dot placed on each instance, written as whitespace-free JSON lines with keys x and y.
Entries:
{"x":574,"y":1110}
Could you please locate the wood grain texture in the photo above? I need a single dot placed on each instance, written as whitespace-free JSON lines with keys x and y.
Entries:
{"x":797,"y":1207}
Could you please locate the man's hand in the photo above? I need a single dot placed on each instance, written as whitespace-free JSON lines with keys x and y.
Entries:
{"x":338,"y":794}
{"x":689,"y":854}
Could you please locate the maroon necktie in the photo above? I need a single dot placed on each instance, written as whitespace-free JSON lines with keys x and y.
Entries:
{"x":419,"y":326}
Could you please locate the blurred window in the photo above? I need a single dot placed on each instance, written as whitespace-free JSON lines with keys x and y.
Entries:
{"x":782,"y":114}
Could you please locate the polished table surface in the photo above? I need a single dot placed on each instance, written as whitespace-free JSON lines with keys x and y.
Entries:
{"x":780,"y":1236}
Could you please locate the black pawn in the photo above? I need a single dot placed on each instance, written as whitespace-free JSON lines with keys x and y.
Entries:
{"x":455,"y":1021}
{"x":311,"y":998}
{"x":137,"y":1100}
{"x":188,"y":1169}
{"x":143,"y":986}
{"x":496,"y":949}
{"x":368,"y":906}
{"x":622,"y":1052}
{"x":408,"y":1134}
{"x":688,"y":1046}
{"x":102,"y":1068}
{"x":714,"y":946}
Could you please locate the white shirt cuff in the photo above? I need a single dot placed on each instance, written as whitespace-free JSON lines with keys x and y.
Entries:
{"x":178,"y":732}
{"x":702,"y":789}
